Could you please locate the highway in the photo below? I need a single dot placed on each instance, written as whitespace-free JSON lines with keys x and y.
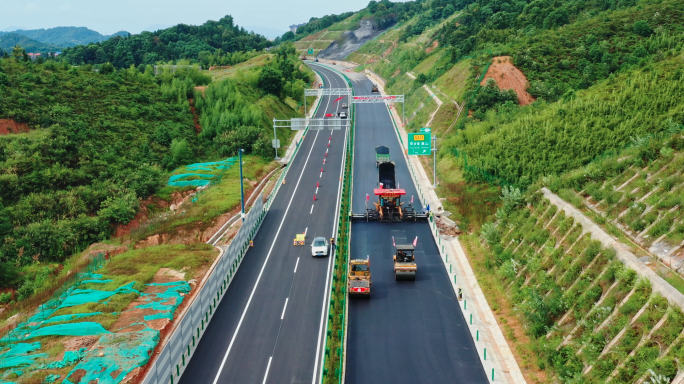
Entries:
{"x":408,"y":332}
{"x":269,"y":326}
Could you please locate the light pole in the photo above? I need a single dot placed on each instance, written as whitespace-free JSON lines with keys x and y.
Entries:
{"x":242,"y":189}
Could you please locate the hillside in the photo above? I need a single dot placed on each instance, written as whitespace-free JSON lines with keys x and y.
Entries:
{"x":181,"y":42}
{"x":65,"y":36}
{"x":583,"y":98}
{"x":86,"y":168}
{"x":9,"y":40}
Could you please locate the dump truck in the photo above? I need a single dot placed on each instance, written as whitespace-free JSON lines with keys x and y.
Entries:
{"x":388,"y":208}
{"x":359,"y":279}
{"x":405,"y":262}
{"x":382,"y":155}
{"x":375,"y":89}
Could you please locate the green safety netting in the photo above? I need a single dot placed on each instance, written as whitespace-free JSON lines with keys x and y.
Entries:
{"x":121,"y":353}
{"x":213,"y":168}
{"x":57,"y":319}
{"x":86,"y":328}
{"x":82,"y":296}
{"x":115,"y":353}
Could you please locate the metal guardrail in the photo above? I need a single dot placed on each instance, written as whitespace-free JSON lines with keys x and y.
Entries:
{"x":176,"y":353}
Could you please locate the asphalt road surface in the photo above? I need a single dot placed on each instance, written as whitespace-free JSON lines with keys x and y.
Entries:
{"x":269,"y":326}
{"x":409,"y":331}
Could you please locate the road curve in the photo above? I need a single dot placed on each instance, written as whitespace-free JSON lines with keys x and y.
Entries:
{"x":268,"y":327}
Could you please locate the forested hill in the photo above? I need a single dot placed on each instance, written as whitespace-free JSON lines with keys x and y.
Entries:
{"x":179,"y":42}
{"x":65,"y":36}
{"x":9,"y":40}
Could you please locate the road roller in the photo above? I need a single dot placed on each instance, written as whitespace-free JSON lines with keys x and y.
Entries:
{"x":359,"y":279}
{"x":405,"y":263}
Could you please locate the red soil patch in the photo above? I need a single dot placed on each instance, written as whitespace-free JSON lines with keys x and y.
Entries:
{"x":507,"y":76}
{"x":8,"y":126}
{"x":431,"y":48}
{"x":195,"y":117}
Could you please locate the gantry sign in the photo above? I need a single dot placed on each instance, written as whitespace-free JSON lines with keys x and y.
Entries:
{"x":314,"y":124}
{"x":381,"y":99}
{"x":378,"y":99}
{"x":326,"y":92}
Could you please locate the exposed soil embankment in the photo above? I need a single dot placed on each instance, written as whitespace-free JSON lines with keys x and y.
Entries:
{"x":507,"y":76}
{"x":352,"y":40}
{"x":8,"y":126}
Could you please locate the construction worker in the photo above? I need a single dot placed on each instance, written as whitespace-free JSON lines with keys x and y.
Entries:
{"x":251,"y":243}
{"x":460,"y":294}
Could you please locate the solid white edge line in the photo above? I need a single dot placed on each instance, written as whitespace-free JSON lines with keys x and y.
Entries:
{"x":268,"y":367}
{"x":295,"y":271}
{"x":268,"y":256}
{"x":282,"y":315}
{"x":328,"y":285}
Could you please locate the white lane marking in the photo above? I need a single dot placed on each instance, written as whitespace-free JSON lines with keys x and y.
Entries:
{"x":267,"y":368}
{"x":321,"y":331}
{"x":306,"y":229}
{"x":285,"y":307}
{"x":311,"y":211}
{"x":263,"y":267}
{"x":321,"y":174}
{"x":317,"y":190}
{"x":295,"y":271}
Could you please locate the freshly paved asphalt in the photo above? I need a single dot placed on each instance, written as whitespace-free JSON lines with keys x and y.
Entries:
{"x":254,"y":337}
{"x":409,"y":331}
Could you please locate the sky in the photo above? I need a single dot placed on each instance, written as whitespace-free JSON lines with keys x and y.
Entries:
{"x":271,"y":16}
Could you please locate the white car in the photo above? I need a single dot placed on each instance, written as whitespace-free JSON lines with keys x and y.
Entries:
{"x":342,"y":115}
{"x":344,"y":106}
{"x":319,"y":247}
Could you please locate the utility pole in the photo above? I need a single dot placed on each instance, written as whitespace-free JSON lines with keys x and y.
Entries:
{"x":242,"y":189}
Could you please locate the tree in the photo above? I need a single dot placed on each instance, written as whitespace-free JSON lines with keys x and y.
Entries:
{"x":642,"y":28}
{"x":18,"y":52}
{"x":106,"y":69}
{"x":372,"y":6}
{"x":270,"y":81}
{"x":181,"y":152}
{"x":448,"y":11}
{"x":288,"y":36}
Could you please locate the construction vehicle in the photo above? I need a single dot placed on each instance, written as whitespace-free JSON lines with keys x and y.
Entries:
{"x":375,"y":89}
{"x":389,"y":208}
{"x":382,"y":155}
{"x":405,"y":263}
{"x":303,"y":57}
{"x":359,"y":279}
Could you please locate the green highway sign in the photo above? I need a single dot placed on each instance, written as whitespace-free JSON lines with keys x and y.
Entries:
{"x":310,"y":51}
{"x":419,"y":143}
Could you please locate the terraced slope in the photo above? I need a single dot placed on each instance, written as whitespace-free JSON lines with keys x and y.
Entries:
{"x":593,"y":320}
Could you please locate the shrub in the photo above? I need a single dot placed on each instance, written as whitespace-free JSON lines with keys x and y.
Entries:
{"x":642,"y":28}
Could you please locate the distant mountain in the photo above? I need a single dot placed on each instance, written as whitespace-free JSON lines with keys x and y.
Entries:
{"x":66,"y":36}
{"x":178,"y":42}
{"x":9,"y":40}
